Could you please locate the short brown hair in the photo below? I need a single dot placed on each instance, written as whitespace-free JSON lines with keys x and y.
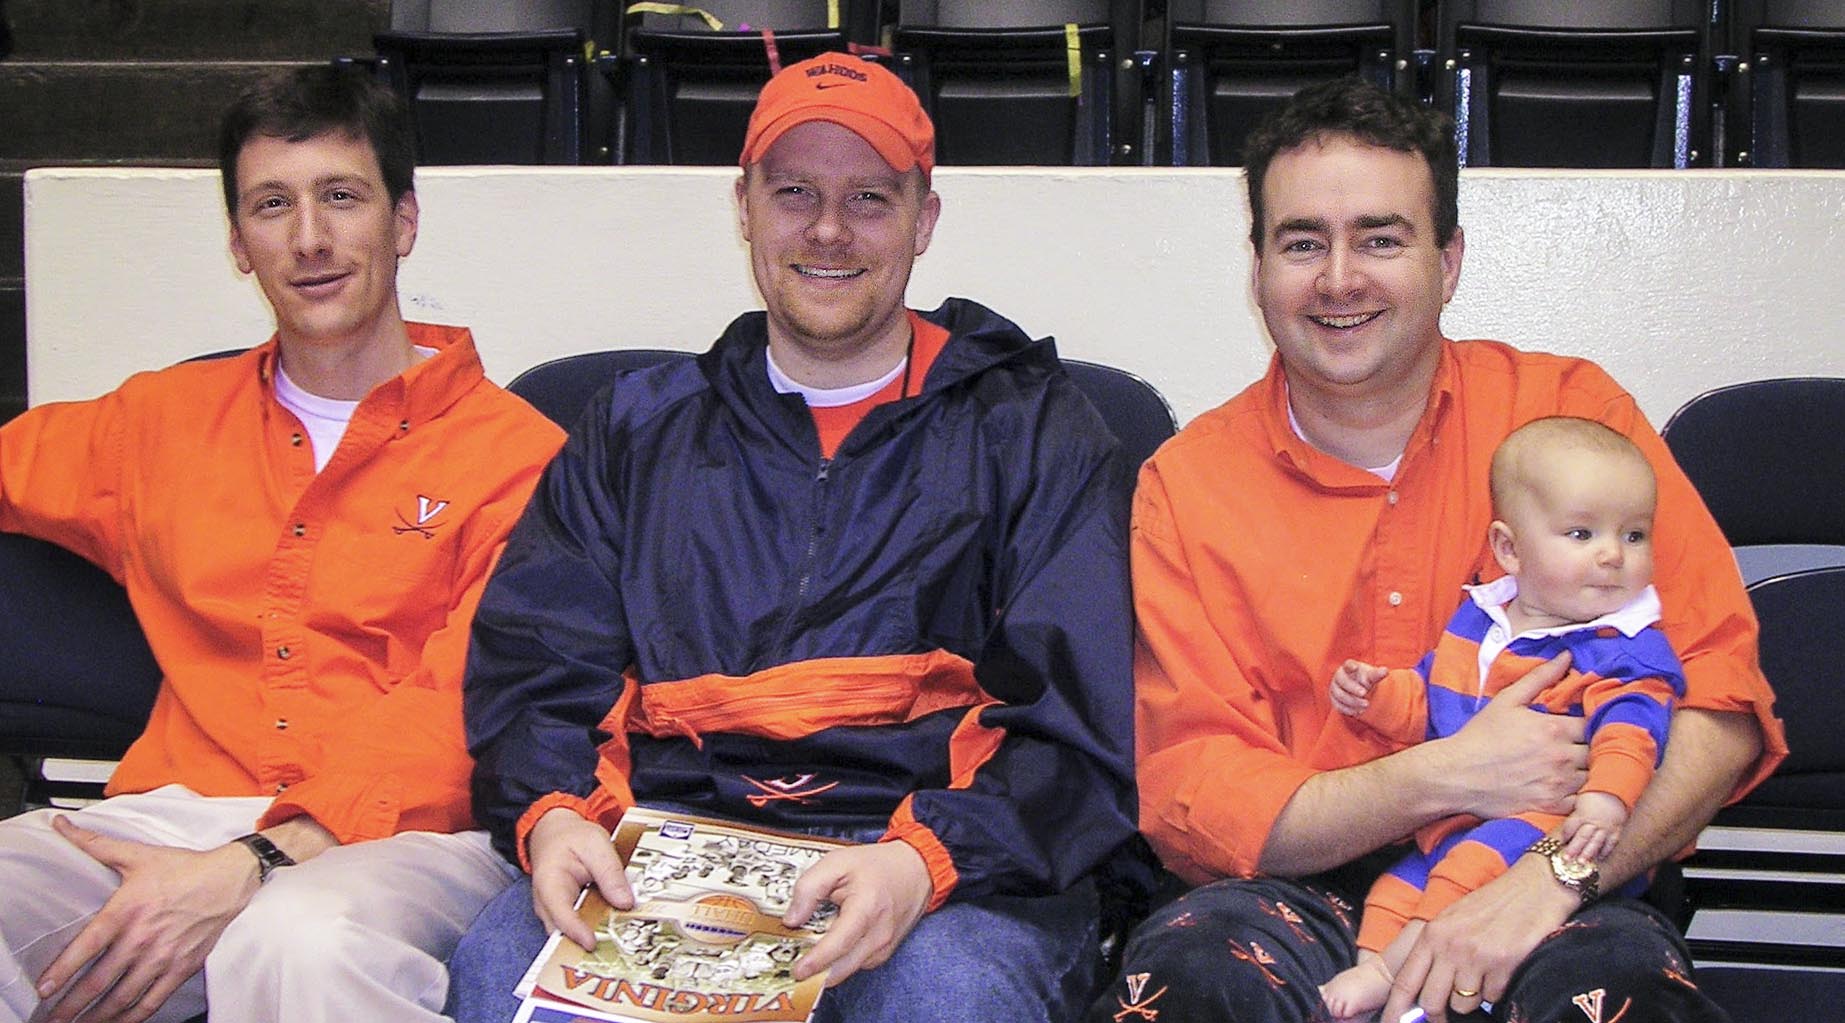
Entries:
{"x":1354,"y":108}
{"x":307,"y":102}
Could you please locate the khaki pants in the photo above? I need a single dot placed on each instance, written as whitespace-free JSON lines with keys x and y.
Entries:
{"x":359,"y":932}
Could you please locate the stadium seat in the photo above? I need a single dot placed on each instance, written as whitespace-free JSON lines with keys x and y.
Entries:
{"x":1233,"y":61}
{"x":1618,"y":83}
{"x":563,"y":387}
{"x":76,"y":676}
{"x":1766,"y":456}
{"x":489,"y":97}
{"x":1022,"y":82}
{"x":691,"y":78}
{"x":1136,"y":413}
{"x":1787,"y":105}
{"x":1767,"y":886}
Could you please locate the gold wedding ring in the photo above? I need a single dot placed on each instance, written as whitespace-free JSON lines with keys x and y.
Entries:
{"x":1461,"y":992}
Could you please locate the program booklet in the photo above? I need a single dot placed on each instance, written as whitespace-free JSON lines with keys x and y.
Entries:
{"x":705,"y":939}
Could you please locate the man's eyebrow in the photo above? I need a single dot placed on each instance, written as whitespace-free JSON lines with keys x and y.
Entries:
{"x":325,"y":181}
{"x":1372,"y":221}
{"x":884,"y":182}
{"x":1301,"y":224}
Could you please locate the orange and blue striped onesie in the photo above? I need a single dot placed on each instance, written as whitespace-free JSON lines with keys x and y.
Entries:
{"x":1623,"y":678}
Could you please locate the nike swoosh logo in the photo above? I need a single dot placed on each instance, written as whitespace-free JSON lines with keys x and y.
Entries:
{"x":830,"y":85}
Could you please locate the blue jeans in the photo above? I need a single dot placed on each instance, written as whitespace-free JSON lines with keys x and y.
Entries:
{"x":1007,"y":960}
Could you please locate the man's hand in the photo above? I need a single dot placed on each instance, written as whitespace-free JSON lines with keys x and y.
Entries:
{"x":1594,"y":826}
{"x":1475,"y":944}
{"x":154,"y":933}
{"x":881,"y":891}
{"x":1352,"y":685}
{"x":1515,"y":760}
{"x":567,"y":852}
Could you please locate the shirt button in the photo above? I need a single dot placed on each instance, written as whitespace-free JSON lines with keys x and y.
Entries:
{"x":403,"y":424}
{"x":1391,"y":497}
{"x":300,"y":529}
{"x":281,"y":724}
{"x":285,"y":653}
{"x":295,"y":439}
{"x":281,"y":787}
{"x":1395,"y":598}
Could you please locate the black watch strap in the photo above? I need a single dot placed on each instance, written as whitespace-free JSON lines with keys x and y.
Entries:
{"x":268,"y":857}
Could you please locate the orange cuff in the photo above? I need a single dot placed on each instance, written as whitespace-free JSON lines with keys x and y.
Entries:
{"x":599,"y":806}
{"x":942,"y":874}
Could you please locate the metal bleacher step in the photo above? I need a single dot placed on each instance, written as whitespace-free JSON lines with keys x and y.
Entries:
{"x":136,"y":82}
{"x":192,"y":30}
{"x":68,"y":783}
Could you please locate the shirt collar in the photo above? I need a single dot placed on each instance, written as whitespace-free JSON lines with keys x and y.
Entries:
{"x":421,"y":392}
{"x":1293,"y":450}
{"x":1631,"y":618}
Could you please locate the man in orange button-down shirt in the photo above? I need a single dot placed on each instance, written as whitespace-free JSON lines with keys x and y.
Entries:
{"x":304,"y":531}
{"x":1334,"y":510}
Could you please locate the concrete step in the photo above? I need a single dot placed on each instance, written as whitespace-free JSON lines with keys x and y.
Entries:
{"x":192,"y":29}
{"x":151,"y":111}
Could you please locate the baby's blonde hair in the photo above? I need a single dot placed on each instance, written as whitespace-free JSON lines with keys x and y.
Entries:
{"x":1517,"y":468}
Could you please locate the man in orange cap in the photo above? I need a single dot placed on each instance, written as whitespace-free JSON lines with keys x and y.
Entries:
{"x":857,"y":570}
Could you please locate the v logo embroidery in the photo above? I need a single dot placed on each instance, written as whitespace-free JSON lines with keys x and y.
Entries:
{"x":1134,"y":1005}
{"x":427,"y":508}
{"x":795,"y":790}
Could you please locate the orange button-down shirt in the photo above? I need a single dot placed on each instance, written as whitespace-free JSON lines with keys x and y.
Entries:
{"x":1261,"y":563}
{"x":311,"y":628}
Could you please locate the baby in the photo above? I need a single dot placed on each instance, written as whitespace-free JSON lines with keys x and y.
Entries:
{"x":1573,"y":502}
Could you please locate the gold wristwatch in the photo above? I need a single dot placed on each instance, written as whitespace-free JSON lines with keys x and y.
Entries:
{"x":1585,"y":879}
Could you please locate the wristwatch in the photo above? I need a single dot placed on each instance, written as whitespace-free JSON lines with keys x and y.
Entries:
{"x":268,"y":857}
{"x":1583,"y":878}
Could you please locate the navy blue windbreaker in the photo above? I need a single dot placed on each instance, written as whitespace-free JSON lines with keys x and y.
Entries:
{"x":929,"y":632}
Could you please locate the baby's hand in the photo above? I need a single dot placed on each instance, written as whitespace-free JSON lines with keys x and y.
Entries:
{"x":1590,"y":832}
{"x":1352,"y":685}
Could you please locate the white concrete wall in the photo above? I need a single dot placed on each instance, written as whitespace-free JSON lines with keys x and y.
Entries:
{"x":1676,"y":282}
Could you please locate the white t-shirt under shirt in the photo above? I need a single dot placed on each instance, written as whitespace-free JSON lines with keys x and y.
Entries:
{"x":324,"y":419}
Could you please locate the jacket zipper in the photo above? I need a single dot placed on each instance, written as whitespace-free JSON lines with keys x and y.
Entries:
{"x":814,"y":532}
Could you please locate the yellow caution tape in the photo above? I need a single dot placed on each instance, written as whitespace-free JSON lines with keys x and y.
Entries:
{"x":683,"y":10}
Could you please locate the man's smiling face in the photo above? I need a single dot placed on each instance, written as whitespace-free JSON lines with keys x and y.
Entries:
{"x":833,"y":234}
{"x":316,"y":225}
{"x":1349,"y":276}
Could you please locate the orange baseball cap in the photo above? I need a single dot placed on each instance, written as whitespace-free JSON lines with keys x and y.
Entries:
{"x":855,"y":94}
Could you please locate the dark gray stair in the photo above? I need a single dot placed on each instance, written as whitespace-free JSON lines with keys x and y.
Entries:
{"x":136,"y":82}
{"x":61,"y":112}
{"x":237,"y":30}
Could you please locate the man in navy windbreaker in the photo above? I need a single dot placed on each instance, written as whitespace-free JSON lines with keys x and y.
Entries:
{"x":857,"y":570}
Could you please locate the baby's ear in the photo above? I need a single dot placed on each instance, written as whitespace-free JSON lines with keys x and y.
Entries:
{"x":1504,"y":544}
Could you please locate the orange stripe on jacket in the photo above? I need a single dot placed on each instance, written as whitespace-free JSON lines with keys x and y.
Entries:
{"x":790,"y":701}
{"x":793,"y":701}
